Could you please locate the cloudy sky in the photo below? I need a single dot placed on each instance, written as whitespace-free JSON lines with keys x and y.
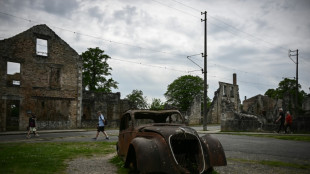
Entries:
{"x":149,"y":40}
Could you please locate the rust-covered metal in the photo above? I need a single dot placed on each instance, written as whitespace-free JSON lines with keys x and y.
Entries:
{"x":159,"y":142}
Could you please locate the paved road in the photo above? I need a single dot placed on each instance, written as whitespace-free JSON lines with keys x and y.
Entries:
{"x":258,"y":148}
{"x":235,"y":146}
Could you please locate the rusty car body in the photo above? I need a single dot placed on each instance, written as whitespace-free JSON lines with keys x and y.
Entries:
{"x":160,"y":142}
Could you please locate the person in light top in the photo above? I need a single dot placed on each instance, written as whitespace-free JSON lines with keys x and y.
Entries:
{"x":100,"y":126}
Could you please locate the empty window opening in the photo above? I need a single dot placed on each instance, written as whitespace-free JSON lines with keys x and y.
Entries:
{"x":42,"y":47}
{"x":231,"y":92}
{"x":224,"y":90}
{"x":13,"y":74}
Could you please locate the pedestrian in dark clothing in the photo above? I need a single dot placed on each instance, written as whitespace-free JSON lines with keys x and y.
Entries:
{"x":32,"y":125}
{"x":281,"y":119}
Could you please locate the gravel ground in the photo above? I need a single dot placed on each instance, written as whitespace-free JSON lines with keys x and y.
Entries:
{"x":101,"y":164}
{"x":93,"y":165}
{"x":235,"y":167}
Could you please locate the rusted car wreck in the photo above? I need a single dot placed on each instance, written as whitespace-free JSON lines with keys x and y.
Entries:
{"x":160,"y":142}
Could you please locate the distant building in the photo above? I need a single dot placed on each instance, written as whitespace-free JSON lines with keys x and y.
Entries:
{"x":226,"y":96}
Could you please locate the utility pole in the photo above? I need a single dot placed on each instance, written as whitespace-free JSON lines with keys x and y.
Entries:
{"x":296,"y":95}
{"x":205,"y":86}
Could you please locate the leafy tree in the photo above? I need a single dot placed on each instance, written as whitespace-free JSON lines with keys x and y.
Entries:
{"x":287,"y":87}
{"x":181,"y":92}
{"x":157,"y":104}
{"x":137,"y":100}
{"x":95,"y":71}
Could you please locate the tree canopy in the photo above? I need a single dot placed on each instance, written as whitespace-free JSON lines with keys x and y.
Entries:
{"x":287,"y":87}
{"x":137,"y":100}
{"x":95,"y":71}
{"x":157,"y":104}
{"x":181,"y":92}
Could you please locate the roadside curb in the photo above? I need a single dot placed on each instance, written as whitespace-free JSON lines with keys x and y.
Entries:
{"x":42,"y":131}
{"x":249,"y":133}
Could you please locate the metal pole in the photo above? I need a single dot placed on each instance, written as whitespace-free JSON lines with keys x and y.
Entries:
{"x":296,"y":97}
{"x":296,"y":94}
{"x":205,"y":86}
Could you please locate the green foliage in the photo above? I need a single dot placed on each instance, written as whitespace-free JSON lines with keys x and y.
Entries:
{"x":95,"y":70}
{"x":182,"y":91}
{"x":46,"y":157}
{"x":116,"y":160}
{"x":137,"y":100}
{"x":157,"y":104}
{"x":287,"y":87}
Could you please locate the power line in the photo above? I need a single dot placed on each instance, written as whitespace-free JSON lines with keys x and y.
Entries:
{"x":231,"y":26}
{"x":149,"y":65}
{"x":96,"y":37}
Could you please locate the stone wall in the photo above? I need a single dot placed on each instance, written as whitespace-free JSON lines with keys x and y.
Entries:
{"x":194,"y":114}
{"x":226,"y":93}
{"x":233,"y":121}
{"x":50,"y":82}
{"x":263,"y":106}
{"x":109,"y":104}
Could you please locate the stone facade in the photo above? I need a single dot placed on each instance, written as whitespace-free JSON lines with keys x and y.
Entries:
{"x":194,"y":114}
{"x":109,"y":104}
{"x":263,"y":106}
{"x":227,"y":93}
{"x":48,"y":82}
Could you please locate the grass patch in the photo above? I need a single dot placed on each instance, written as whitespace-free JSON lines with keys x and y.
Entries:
{"x":46,"y":157}
{"x":119,"y":163}
{"x":273,"y":163}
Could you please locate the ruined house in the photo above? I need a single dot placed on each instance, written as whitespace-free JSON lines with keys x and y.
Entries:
{"x":47,"y":81}
{"x":225,"y":98}
{"x":262,"y":106}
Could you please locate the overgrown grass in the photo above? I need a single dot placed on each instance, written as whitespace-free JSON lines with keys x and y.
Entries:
{"x":46,"y":157}
{"x":119,"y":164}
{"x":273,"y":163}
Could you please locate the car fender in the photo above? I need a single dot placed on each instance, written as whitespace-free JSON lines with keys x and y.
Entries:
{"x":214,"y":151}
{"x":153,"y":149}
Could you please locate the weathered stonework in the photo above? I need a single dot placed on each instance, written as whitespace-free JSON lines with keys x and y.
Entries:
{"x":194,"y":114}
{"x":109,"y":104}
{"x":50,"y":85}
{"x":226,"y":93}
{"x":263,"y":106}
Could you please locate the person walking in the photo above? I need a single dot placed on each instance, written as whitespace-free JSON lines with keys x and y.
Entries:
{"x":32,"y":125}
{"x":281,"y":118}
{"x":288,"y":122}
{"x":100,"y":126}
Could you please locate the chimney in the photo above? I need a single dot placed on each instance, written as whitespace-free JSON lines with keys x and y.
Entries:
{"x":234,"y":79}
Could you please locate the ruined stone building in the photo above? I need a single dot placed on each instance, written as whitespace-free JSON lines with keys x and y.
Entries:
{"x":47,"y":81}
{"x":110,"y":104}
{"x":262,"y":106}
{"x":225,"y":98}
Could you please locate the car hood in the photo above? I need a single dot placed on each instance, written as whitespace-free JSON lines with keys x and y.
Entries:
{"x":167,"y":129}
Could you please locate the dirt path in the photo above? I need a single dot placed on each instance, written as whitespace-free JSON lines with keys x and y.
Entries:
{"x":92,"y":165}
{"x":101,"y":164}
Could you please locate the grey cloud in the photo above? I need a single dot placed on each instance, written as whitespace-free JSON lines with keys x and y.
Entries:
{"x":96,"y":13}
{"x":60,"y":7}
{"x":126,"y":14}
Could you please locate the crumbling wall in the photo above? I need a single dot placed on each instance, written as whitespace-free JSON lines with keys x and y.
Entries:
{"x":263,"y":106}
{"x":109,"y":104}
{"x":50,"y":81}
{"x":226,"y":93}
{"x":194,"y":113}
